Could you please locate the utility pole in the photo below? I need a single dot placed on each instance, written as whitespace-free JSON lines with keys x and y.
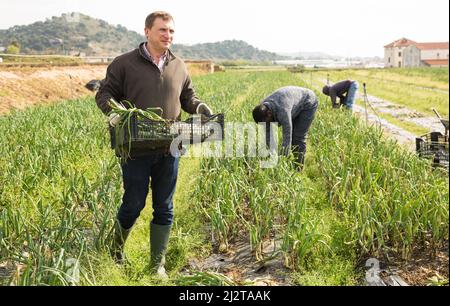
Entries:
{"x":365,"y":102}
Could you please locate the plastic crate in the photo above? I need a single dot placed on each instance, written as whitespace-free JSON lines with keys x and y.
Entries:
{"x":434,"y":146}
{"x":143,"y":135}
{"x":199,"y":129}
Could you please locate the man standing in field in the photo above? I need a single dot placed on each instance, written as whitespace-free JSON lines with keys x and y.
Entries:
{"x":294,"y":109}
{"x":150,"y":76}
{"x":345,"y":90}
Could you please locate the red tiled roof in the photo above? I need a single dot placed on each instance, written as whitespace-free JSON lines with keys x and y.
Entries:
{"x":432,"y":46}
{"x":436,"y":62}
{"x":402,"y":42}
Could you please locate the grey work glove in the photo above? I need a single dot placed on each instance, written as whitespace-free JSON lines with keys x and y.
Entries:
{"x":203,"y":109}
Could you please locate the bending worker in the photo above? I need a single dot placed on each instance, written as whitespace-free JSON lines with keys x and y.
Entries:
{"x":344,"y":90}
{"x":294,"y":109}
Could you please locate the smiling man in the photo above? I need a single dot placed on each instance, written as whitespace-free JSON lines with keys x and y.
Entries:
{"x":150,"y":76}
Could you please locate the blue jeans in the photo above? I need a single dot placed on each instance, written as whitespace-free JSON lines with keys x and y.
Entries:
{"x":160,"y":170}
{"x":351,"y":95}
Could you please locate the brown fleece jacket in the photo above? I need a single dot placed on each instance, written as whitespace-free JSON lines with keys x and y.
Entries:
{"x":134,"y":77}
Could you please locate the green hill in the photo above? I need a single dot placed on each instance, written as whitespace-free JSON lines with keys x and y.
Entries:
{"x":224,"y":50}
{"x":60,"y":35}
{"x":67,"y":35}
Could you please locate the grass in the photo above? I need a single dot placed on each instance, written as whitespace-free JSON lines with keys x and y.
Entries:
{"x":359,"y":195}
{"x":185,"y":238}
{"x":407,"y":126}
{"x":402,"y":87}
{"x":428,"y":75}
{"x":329,"y":271}
{"x":264,"y":203}
{"x":412,"y":88}
{"x":40,"y":60}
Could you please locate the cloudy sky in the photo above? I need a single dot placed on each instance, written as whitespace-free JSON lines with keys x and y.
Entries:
{"x":344,"y":27}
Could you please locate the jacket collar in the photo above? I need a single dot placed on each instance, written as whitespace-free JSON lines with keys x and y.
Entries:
{"x":272,"y":108}
{"x":169,"y":57}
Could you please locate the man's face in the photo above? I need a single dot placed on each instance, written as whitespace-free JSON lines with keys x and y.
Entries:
{"x":160,"y":36}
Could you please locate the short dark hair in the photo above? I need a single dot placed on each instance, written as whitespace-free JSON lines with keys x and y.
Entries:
{"x":158,"y":14}
{"x":260,"y":113}
{"x":326,"y":90}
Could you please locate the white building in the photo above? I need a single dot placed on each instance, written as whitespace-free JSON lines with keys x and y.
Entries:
{"x":407,"y":53}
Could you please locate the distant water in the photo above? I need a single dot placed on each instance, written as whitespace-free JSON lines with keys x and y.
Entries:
{"x":329,"y":63}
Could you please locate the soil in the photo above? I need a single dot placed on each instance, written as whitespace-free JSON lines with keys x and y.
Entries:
{"x":424,"y":267}
{"x":21,"y":87}
{"x":26,"y":86}
{"x":238,"y":263}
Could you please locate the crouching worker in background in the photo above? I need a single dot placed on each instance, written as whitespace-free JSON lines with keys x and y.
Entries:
{"x":293,"y":108}
{"x":150,"y":76}
{"x":345,"y":91}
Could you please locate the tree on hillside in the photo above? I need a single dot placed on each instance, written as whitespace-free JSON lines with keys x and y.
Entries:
{"x":13,"y":48}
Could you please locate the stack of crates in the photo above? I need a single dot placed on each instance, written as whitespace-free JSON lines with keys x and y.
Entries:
{"x":434,"y":146}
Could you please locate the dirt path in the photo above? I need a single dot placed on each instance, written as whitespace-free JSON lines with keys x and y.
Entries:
{"x":404,"y":113}
{"x":402,"y":136}
{"x":399,"y":112}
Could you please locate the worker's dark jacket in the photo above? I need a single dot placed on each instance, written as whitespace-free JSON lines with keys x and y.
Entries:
{"x":340,"y":90}
{"x":134,"y":77}
{"x":286,"y":104}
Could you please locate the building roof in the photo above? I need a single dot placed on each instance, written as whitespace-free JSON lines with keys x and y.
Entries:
{"x":436,"y":62}
{"x":402,"y":42}
{"x":432,"y":45}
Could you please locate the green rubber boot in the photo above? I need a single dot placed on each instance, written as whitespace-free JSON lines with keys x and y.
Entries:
{"x":159,"y":239}
{"x":120,"y":236}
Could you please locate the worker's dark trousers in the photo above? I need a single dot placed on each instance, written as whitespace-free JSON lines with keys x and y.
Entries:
{"x":301,"y":124}
{"x":160,"y":170}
